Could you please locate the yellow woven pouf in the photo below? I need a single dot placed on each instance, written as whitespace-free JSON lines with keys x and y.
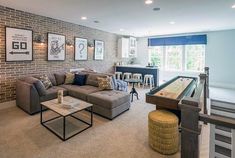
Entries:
{"x":163,"y":132}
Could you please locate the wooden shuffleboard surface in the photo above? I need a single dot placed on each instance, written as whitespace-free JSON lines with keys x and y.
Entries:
{"x":174,"y":89}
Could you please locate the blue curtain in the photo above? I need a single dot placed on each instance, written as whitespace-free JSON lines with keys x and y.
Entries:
{"x":179,"y":40}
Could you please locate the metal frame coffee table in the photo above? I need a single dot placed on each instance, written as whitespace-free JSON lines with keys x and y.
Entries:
{"x":54,"y":106}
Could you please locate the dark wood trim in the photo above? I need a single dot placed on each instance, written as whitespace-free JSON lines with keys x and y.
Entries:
{"x":218,"y":120}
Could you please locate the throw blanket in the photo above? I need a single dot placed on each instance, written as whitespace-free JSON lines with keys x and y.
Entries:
{"x":121,"y":85}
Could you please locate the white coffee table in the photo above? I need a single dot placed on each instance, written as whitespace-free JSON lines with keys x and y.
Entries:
{"x":78,"y":105}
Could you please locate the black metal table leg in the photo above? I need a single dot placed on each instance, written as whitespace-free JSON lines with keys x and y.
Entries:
{"x":41,"y":114}
{"x":134,"y":92}
{"x":63,"y":136}
{"x":64,"y":124}
{"x":91,"y":115}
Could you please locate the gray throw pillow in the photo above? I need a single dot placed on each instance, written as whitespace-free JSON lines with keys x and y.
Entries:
{"x":40,"y":88}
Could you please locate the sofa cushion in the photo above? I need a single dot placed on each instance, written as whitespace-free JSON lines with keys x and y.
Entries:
{"x":51,"y":93}
{"x":37,"y":84}
{"x":92,"y":79}
{"x":60,"y":78}
{"x":52,"y":79}
{"x":109,"y":99}
{"x":105,"y":83}
{"x":80,"y":79}
{"x":80,"y":92}
{"x":69,"y":78}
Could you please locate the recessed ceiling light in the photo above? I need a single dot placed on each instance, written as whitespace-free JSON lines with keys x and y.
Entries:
{"x":172,"y":22}
{"x":84,"y":18}
{"x":148,"y":2}
{"x":233,"y":6}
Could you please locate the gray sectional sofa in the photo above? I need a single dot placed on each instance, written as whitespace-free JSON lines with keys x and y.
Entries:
{"x":107,"y":103}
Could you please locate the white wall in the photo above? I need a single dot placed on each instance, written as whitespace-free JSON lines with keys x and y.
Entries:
{"x":142,"y":51}
{"x":220,"y":57}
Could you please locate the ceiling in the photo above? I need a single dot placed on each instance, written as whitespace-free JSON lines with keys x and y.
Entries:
{"x":134,"y":16}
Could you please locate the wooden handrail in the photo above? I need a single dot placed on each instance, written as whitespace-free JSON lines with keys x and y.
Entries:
{"x":218,"y":120}
{"x":190,"y":117}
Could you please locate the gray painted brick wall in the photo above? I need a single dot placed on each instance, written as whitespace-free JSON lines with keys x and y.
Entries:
{"x":11,"y":71}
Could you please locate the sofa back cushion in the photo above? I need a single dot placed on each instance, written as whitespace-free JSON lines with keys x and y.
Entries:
{"x":50,"y":76}
{"x":60,"y":78}
{"x":80,"y":79}
{"x":92,"y":79}
{"x":37,"y":84}
{"x":52,"y":79}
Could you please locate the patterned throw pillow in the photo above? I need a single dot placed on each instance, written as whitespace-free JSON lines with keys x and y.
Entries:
{"x":45,"y":81}
{"x":105,"y":83}
{"x":69,"y":78}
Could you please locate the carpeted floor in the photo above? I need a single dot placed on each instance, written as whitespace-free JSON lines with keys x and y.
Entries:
{"x":22,"y":136}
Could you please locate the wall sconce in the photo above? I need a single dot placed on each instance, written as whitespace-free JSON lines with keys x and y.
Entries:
{"x":90,"y":44}
{"x":39,"y":39}
{"x":69,"y":43}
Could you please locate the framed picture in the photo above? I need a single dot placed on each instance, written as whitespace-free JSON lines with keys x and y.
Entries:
{"x":56,"y":47}
{"x":132,"y":42}
{"x":19,"y":44}
{"x":80,"y":49}
{"x":133,"y":47}
{"x":99,"y":50}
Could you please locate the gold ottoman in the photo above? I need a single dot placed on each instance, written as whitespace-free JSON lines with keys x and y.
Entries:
{"x":163,"y":132}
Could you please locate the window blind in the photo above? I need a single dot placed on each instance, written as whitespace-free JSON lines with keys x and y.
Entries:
{"x":179,"y":40}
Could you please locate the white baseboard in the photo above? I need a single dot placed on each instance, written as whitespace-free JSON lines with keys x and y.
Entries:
{"x":6,"y":105}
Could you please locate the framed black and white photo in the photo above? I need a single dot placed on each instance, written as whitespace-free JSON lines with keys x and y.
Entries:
{"x":19,"y":44}
{"x":81,"y":49}
{"x":56,"y":47}
{"x":133,"y":47}
{"x":132,"y":42}
{"x":99,"y":50}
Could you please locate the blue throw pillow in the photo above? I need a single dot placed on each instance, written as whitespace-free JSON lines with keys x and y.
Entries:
{"x":80,"y":79}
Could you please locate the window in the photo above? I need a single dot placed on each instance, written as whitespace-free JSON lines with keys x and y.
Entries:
{"x":195,"y":57}
{"x":178,"y":57}
{"x":174,"y":57}
{"x":156,"y":56}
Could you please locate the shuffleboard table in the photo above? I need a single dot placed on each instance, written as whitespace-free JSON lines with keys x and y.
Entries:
{"x":168,"y":95}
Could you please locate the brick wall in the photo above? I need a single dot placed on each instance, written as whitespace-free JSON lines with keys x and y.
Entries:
{"x":11,"y":71}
